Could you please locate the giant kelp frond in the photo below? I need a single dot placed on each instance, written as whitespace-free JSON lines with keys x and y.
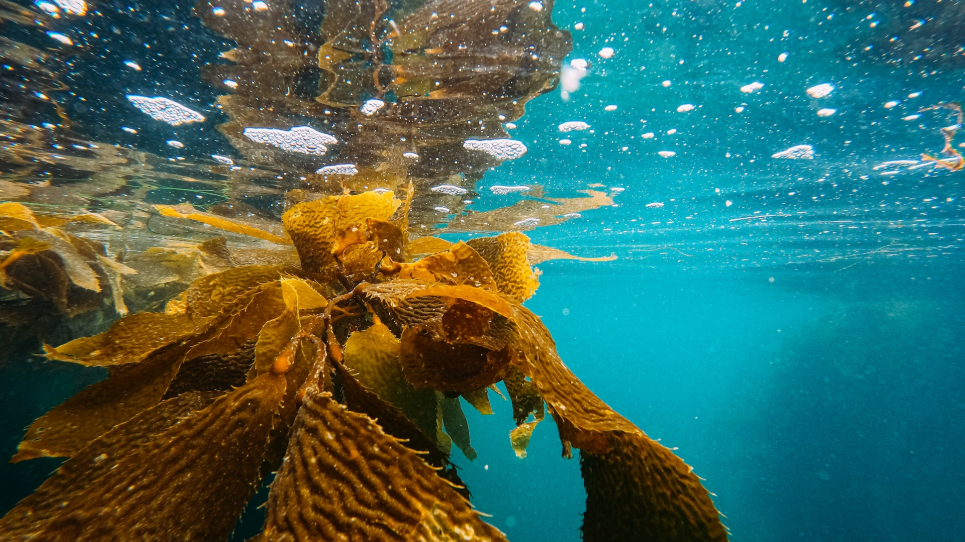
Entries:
{"x":357,"y":349}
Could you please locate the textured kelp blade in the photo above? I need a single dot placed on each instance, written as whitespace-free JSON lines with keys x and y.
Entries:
{"x":345,"y":479}
{"x":506,"y":256}
{"x":458,"y":265}
{"x":214,"y":372}
{"x":240,"y":321}
{"x":640,"y":490}
{"x":189,"y":483}
{"x":428,"y":246}
{"x":73,"y":424}
{"x":439,"y":365}
{"x":94,"y":461}
{"x":466,"y":293}
{"x":393,"y":421}
{"x":316,"y":226}
{"x":636,"y":488}
{"x":373,"y":355}
{"x":479,"y":399}
{"x":130,"y":340}
{"x":233,"y":226}
{"x":457,"y":426}
{"x":209,"y":294}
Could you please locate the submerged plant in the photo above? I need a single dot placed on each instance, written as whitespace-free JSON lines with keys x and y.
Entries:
{"x":344,"y":374}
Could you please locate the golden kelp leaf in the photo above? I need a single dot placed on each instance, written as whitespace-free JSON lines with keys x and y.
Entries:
{"x":306,"y":291}
{"x":189,"y":483}
{"x":187,"y":212}
{"x":77,"y":421}
{"x":539,"y":253}
{"x":238,"y":322}
{"x":100,"y":457}
{"x":130,"y":340}
{"x":466,"y":293}
{"x":457,"y":426}
{"x":506,"y":256}
{"x":519,"y":437}
{"x":479,"y":399}
{"x":209,"y":294}
{"x":316,"y":226}
{"x":449,"y":367}
{"x":391,"y":493}
{"x":528,"y":214}
{"x":373,"y":355}
{"x":68,"y":250}
{"x":17,"y":216}
{"x":635,"y":486}
{"x":428,"y":246}
{"x":459,"y":265}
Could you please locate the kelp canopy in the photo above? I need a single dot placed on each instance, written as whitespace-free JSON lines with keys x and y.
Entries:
{"x":333,"y":344}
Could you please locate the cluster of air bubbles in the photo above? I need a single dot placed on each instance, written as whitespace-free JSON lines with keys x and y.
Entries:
{"x":500,"y":149}
{"x":300,"y":139}
{"x":165,"y":110}
{"x":223,"y":159}
{"x":449,"y":189}
{"x":500,"y":190}
{"x":574,"y":125}
{"x":338,"y":169}
{"x":527,"y":223}
{"x":820,"y":91}
{"x":371,"y":106}
{"x":797,"y":152}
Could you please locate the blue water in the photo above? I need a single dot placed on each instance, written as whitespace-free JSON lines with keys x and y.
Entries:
{"x":795,"y":329}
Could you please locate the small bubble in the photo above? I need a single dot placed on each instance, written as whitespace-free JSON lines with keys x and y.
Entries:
{"x":511,"y":521}
{"x":566,"y":312}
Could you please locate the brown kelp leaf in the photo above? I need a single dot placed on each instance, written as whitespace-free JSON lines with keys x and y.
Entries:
{"x":539,"y":253}
{"x":428,"y":246}
{"x":458,"y":265}
{"x":213,"y":373}
{"x":479,"y":399}
{"x":523,"y":395}
{"x":189,"y":483}
{"x":388,"y":238}
{"x":506,"y":256}
{"x":373,"y":355}
{"x":636,"y":488}
{"x":17,"y":216}
{"x":77,"y":421}
{"x":188,"y":212}
{"x":209,"y":294}
{"x":238,"y":322}
{"x":393,"y":421}
{"x":449,"y":367}
{"x":457,"y":426}
{"x":519,"y":437}
{"x":130,"y":340}
{"x":383,"y":490}
{"x":78,"y":266}
{"x":100,"y":457}
{"x":529,"y":214}
{"x":478,"y":296}
{"x":316,"y":227}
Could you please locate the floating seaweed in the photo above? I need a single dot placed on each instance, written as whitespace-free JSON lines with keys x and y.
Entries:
{"x":341,"y":375}
{"x":300,"y":318}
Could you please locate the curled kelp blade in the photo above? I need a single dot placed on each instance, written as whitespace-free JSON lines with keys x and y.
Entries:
{"x":31,"y":514}
{"x":392,"y":494}
{"x":636,"y":488}
{"x":189,"y":483}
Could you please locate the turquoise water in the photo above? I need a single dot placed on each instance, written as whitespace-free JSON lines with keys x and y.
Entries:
{"x":793,"y":328}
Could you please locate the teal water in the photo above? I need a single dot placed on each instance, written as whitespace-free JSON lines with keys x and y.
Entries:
{"x":794,"y":328}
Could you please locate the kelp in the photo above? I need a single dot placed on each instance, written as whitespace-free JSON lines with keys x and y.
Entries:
{"x":339,"y":402}
{"x":321,"y":333}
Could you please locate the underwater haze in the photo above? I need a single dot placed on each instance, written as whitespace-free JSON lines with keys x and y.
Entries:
{"x":780,"y":183}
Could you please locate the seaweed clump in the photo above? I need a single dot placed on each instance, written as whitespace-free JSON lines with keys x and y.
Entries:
{"x":349,"y":367}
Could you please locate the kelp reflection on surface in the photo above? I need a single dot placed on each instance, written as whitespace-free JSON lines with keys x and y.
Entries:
{"x":320,"y":333}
